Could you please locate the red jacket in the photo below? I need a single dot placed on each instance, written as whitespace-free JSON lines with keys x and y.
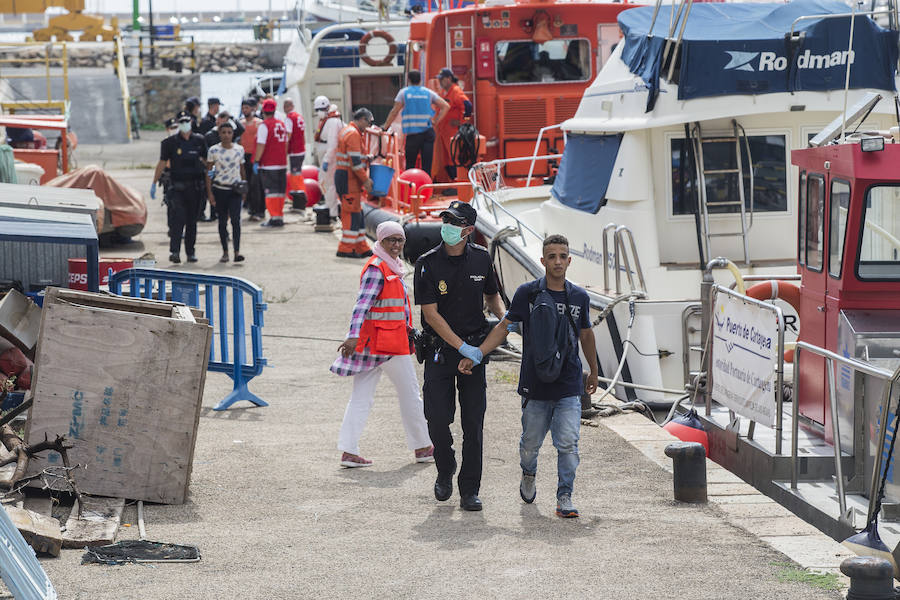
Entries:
{"x":275,"y":152}
{"x":385,"y":329}
{"x":297,"y":145}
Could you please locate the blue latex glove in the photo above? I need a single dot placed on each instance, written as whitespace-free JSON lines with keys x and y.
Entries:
{"x":212,"y":173}
{"x":514,"y":328}
{"x":471,"y":352}
{"x":255,"y":168}
{"x":153,"y":190}
{"x":325,"y":167}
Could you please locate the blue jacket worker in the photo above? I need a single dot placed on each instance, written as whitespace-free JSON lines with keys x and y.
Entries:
{"x":453,"y":282}
{"x":417,"y":104}
{"x":554,"y":405}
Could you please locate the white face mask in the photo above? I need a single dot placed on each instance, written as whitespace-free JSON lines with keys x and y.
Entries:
{"x":321,"y":112}
{"x":184,"y":127}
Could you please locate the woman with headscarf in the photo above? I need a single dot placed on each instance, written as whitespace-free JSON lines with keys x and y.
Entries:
{"x":378,"y":342}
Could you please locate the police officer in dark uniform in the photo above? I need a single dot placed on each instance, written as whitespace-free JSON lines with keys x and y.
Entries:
{"x":452,"y":284}
{"x":185,"y":153}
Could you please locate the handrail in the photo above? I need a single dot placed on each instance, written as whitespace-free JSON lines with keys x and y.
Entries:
{"x":856,"y":365}
{"x":497,"y":164}
{"x":537,"y":145}
{"x":621,"y":260}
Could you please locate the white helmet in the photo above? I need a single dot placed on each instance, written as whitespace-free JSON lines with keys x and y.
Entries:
{"x":320,"y":103}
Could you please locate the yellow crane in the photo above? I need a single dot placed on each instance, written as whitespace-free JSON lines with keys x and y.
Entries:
{"x":62,"y":26}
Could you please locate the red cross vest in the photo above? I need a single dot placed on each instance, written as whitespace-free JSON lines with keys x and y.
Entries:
{"x":385,"y":329}
{"x":297,"y":145}
{"x":275,"y":152}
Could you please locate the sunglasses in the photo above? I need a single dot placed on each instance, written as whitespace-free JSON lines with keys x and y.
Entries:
{"x":451,"y":221}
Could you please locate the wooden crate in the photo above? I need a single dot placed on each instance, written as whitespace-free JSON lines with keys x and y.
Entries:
{"x":123,"y":380}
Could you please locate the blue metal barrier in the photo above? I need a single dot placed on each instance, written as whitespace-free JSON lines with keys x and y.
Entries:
{"x":189,"y":288}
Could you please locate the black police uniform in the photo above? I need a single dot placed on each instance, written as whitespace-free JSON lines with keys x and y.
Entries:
{"x":187,"y":167}
{"x":457,"y":284}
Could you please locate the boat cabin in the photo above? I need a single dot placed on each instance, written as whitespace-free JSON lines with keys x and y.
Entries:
{"x":525,"y":65}
{"x":848,"y":255}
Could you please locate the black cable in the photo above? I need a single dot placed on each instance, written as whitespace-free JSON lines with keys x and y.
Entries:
{"x":464,"y":146}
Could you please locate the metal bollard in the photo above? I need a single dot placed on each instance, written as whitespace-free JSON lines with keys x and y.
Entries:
{"x":870,"y":578}
{"x":689,"y":466}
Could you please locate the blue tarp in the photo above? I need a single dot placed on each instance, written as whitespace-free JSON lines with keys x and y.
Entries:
{"x":584,"y":171}
{"x":745,"y":49}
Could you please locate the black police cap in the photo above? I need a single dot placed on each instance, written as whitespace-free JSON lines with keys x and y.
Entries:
{"x":461,"y":211}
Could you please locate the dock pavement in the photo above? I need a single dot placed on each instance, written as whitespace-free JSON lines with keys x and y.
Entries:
{"x":275,"y":516}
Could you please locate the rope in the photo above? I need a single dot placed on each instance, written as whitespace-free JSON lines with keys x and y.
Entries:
{"x":464,"y":146}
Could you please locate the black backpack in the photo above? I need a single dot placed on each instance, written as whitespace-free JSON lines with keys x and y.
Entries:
{"x":550,"y":336}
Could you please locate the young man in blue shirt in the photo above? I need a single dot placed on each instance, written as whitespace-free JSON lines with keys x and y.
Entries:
{"x":553,"y":406}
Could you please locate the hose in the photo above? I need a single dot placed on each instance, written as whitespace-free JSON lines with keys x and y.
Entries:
{"x":625,"y":346}
{"x":464,"y":146}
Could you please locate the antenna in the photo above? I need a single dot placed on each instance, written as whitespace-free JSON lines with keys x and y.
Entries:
{"x":849,"y":60}
{"x":857,"y":112}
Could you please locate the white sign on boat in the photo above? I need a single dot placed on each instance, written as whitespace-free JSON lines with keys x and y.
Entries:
{"x":745,"y":357}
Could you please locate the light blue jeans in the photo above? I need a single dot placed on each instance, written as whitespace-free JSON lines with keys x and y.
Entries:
{"x":563,"y":419}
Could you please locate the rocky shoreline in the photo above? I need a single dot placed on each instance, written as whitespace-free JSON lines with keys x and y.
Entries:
{"x":210,"y":57}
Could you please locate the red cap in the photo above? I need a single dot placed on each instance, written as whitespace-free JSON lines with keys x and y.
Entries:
{"x":269,"y":106}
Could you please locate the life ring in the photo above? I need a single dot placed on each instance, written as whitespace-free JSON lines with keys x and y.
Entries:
{"x":770,"y":290}
{"x":392,"y":48}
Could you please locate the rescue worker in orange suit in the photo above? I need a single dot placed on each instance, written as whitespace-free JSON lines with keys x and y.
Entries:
{"x":444,"y":168}
{"x":351,"y":177}
{"x":297,"y":137}
{"x":271,"y":162}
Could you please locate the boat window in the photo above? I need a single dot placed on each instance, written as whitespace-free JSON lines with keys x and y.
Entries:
{"x":879,"y":247}
{"x":769,"y":175}
{"x":840,"y":206}
{"x":815,"y":221}
{"x":801,"y":235}
{"x":551,"y":62}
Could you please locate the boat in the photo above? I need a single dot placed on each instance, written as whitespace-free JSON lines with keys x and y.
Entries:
{"x":730,"y":196}
{"x":666,"y":168}
{"x":523,"y":64}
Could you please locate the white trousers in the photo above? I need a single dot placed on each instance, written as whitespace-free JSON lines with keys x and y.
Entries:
{"x":326,"y":184}
{"x":402,"y":374}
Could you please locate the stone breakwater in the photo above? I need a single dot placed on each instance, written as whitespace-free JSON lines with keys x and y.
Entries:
{"x":211,"y":58}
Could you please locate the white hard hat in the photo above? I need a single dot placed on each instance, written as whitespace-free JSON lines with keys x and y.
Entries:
{"x":320,"y":103}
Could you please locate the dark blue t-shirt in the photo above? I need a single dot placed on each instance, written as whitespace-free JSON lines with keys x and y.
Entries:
{"x":570,"y":379}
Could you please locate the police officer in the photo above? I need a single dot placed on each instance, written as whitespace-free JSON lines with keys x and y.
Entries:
{"x":186,"y":154}
{"x":452,"y":284}
{"x":417,"y":102}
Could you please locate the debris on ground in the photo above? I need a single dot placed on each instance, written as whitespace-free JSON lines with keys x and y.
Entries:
{"x":106,"y":369}
{"x":97,"y":524}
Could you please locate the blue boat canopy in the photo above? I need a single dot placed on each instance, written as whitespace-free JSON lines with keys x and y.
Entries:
{"x":584,"y":171}
{"x":747,"y":49}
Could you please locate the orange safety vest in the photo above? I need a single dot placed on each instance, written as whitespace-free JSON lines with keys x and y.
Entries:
{"x":385,"y":329}
{"x":350,"y":147}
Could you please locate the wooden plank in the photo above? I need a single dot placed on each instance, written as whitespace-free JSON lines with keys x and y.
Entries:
{"x":6,"y":471}
{"x":97,"y":525}
{"x":125,"y":389}
{"x":20,"y":321}
{"x":109,"y":301}
{"x":42,"y":505}
{"x":42,"y":533}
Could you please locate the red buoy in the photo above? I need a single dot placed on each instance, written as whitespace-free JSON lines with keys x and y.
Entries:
{"x":313,"y":192}
{"x":418,"y":178}
{"x":310,"y":172}
{"x":688,"y":428}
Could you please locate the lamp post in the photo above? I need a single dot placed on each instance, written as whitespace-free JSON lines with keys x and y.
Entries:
{"x":152,"y":36}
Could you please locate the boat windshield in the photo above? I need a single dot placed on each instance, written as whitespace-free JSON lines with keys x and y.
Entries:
{"x":879,"y":249}
{"x":551,"y":62}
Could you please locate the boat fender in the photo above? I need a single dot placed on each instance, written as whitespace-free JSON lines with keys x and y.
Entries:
{"x":688,"y":428}
{"x":770,"y":290}
{"x":388,"y":58}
